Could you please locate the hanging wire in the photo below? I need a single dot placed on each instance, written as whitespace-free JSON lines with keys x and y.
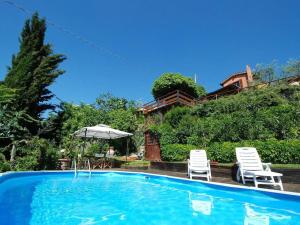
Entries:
{"x":68,"y":31}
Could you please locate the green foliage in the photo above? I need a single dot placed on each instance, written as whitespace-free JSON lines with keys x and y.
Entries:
{"x":174,"y":116}
{"x":7,"y":95}
{"x":254,"y":115}
{"x":33,"y":70}
{"x":92,"y":150}
{"x":167,"y":134}
{"x":75,"y":117}
{"x":107,"y":102}
{"x":113,"y":111}
{"x":168,"y":82}
{"x":274,"y":151}
{"x":292,"y":68}
{"x":11,"y":121}
{"x":123,"y":120}
{"x":4,"y":165}
{"x":37,"y":154}
{"x":176,"y":152}
{"x":265,"y":72}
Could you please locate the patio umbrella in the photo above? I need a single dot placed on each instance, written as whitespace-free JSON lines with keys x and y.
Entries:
{"x":102,"y":131}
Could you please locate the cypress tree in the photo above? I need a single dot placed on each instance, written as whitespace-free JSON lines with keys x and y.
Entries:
{"x":34,"y":68}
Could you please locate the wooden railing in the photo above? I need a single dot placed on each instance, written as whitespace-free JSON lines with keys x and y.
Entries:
{"x":174,"y":97}
{"x":183,"y":98}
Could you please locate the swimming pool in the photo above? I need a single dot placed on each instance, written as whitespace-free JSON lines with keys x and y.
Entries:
{"x":136,"y":198}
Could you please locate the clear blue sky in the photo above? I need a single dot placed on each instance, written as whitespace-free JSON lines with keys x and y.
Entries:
{"x":210,"y":38}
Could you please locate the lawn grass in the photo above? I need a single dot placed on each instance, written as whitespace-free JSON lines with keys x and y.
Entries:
{"x":135,"y":163}
{"x":138,"y":163}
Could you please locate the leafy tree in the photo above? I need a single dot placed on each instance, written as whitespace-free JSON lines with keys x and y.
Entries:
{"x":257,"y":114}
{"x":78,"y":116}
{"x":168,"y":82}
{"x":7,"y":95}
{"x":292,"y":68}
{"x":33,"y":70}
{"x":265,"y":72}
{"x":116,"y":112}
{"x":108,"y":102}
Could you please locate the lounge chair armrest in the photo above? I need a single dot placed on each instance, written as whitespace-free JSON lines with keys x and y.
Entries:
{"x":208,"y":163}
{"x":240,"y":165}
{"x":267,"y":166}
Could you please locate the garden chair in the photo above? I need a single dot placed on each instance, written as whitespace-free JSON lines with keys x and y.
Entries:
{"x":252,"y":169}
{"x":98,"y":162}
{"x":198,"y":165}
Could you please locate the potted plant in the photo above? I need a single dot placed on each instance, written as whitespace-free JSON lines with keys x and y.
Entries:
{"x":65,"y":162}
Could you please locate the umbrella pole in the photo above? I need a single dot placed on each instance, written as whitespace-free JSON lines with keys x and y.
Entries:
{"x":126,"y":149}
{"x":84,"y":142}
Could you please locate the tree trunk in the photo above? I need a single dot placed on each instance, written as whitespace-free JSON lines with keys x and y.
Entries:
{"x":13,"y":153}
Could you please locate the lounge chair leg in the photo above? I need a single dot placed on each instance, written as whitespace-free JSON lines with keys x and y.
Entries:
{"x":243,"y":179}
{"x":280,"y":183}
{"x":272,"y":178}
{"x":255,"y":181}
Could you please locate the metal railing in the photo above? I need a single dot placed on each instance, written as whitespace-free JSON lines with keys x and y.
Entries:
{"x":87,"y":165}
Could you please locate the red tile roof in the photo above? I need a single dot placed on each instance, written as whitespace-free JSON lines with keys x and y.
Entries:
{"x":234,"y":75}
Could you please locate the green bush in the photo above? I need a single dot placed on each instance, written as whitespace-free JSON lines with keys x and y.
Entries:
{"x":28,"y":162}
{"x":174,"y":116}
{"x":274,"y":151}
{"x":37,"y":154}
{"x":168,"y":82}
{"x":167,"y":135}
{"x":176,"y":152}
{"x":251,"y":115}
{"x":4,"y":165}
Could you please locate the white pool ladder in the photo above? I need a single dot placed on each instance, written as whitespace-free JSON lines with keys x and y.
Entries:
{"x":86,"y":163}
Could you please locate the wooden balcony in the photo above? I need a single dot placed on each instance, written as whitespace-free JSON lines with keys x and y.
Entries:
{"x":172,"y":98}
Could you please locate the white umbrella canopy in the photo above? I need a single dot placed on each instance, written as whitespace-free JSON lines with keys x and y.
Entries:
{"x":101,"y":131}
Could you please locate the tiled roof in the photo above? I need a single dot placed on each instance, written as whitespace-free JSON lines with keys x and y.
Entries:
{"x":234,"y":75}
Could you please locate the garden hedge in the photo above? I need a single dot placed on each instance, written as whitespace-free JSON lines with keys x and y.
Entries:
{"x":274,"y":151}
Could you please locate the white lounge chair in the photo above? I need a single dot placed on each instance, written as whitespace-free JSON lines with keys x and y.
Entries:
{"x":198,"y":165}
{"x":252,"y":169}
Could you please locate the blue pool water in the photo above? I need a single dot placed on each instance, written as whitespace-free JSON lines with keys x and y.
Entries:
{"x":123,"y":198}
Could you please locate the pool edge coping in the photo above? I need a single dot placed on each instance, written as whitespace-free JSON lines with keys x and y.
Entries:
{"x":264,"y":190}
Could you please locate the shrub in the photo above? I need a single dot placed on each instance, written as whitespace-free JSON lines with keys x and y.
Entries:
{"x":167,"y":135}
{"x":176,"y":152}
{"x":274,"y":151}
{"x":28,"y":162}
{"x":4,"y":165}
{"x":174,"y":116}
{"x":168,"y":82}
{"x":37,"y":154}
{"x":251,"y":115}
